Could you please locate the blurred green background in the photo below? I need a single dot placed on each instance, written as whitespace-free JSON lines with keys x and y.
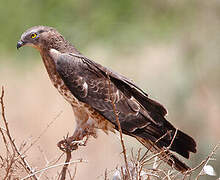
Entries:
{"x":169,"y":48}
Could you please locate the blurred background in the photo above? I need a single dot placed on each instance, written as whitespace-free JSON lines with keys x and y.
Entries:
{"x":169,"y":48}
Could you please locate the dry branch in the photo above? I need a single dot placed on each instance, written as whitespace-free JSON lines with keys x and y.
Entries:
{"x":11,"y":140}
{"x":43,"y":132}
{"x":120,"y":130}
{"x":205,"y":161}
{"x":134,"y":169}
{"x":54,"y":166}
{"x":65,"y":166}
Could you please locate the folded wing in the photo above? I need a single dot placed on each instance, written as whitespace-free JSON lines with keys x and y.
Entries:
{"x":139,"y":116}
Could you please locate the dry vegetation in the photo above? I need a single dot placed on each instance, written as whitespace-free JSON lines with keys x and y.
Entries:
{"x":14,"y":165}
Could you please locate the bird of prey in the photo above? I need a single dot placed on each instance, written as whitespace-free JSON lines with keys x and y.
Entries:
{"x":99,"y":95}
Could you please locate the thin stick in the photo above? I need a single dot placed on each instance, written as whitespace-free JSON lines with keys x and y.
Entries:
{"x":65,"y":166}
{"x":205,"y":161}
{"x":145,"y":154}
{"x":54,"y":166}
{"x":153,"y":156}
{"x":27,"y":166}
{"x":4,"y":138}
{"x":44,"y":131}
{"x":56,"y":161}
{"x":162,"y":151}
{"x":7,"y":175}
{"x":171,"y":143}
{"x":119,"y":128}
{"x":75,"y":169}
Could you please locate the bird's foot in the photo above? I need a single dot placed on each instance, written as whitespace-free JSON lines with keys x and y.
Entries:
{"x":69,"y":144}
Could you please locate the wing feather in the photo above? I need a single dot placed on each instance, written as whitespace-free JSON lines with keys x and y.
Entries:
{"x":101,"y":92}
{"x":126,"y":86}
{"x":139,"y":116}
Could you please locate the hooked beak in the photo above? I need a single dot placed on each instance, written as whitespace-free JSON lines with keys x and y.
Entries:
{"x":20,"y":44}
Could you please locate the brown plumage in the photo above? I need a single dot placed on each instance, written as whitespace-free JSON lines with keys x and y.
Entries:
{"x":91,"y":89}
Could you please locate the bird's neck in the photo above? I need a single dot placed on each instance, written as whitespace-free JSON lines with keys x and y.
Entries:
{"x":58,"y":43}
{"x":64,"y":47}
{"x":49,"y":63}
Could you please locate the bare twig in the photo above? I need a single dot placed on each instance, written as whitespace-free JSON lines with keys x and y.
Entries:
{"x":205,"y":161}
{"x":75,"y":169}
{"x":119,"y":128}
{"x":43,"y":132}
{"x":70,"y":176}
{"x":202,"y":164}
{"x":153,"y":156}
{"x":4,"y":138}
{"x":145,"y":154}
{"x":9,"y":167}
{"x":54,"y":166}
{"x":65,"y":166}
{"x":27,"y":166}
{"x":122,"y":174}
{"x":173,"y":139}
{"x":57,"y":159}
{"x":143,"y":159}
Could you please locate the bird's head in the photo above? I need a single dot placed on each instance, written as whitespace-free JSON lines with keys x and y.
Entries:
{"x":41,"y":38}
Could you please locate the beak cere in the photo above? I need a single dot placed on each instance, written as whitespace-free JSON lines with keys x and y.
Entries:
{"x":20,"y":44}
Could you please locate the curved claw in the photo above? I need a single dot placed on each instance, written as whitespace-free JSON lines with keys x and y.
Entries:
{"x":69,"y":145}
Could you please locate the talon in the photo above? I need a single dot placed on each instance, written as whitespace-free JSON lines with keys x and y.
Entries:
{"x":67,"y":146}
{"x":79,"y":143}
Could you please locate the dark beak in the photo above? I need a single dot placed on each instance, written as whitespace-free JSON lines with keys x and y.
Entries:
{"x":20,"y":44}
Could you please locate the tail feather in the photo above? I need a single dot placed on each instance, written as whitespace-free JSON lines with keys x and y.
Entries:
{"x":183,"y":144}
{"x":164,"y":155}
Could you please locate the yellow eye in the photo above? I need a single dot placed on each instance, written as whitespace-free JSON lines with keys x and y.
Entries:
{"x":34,"y":35}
